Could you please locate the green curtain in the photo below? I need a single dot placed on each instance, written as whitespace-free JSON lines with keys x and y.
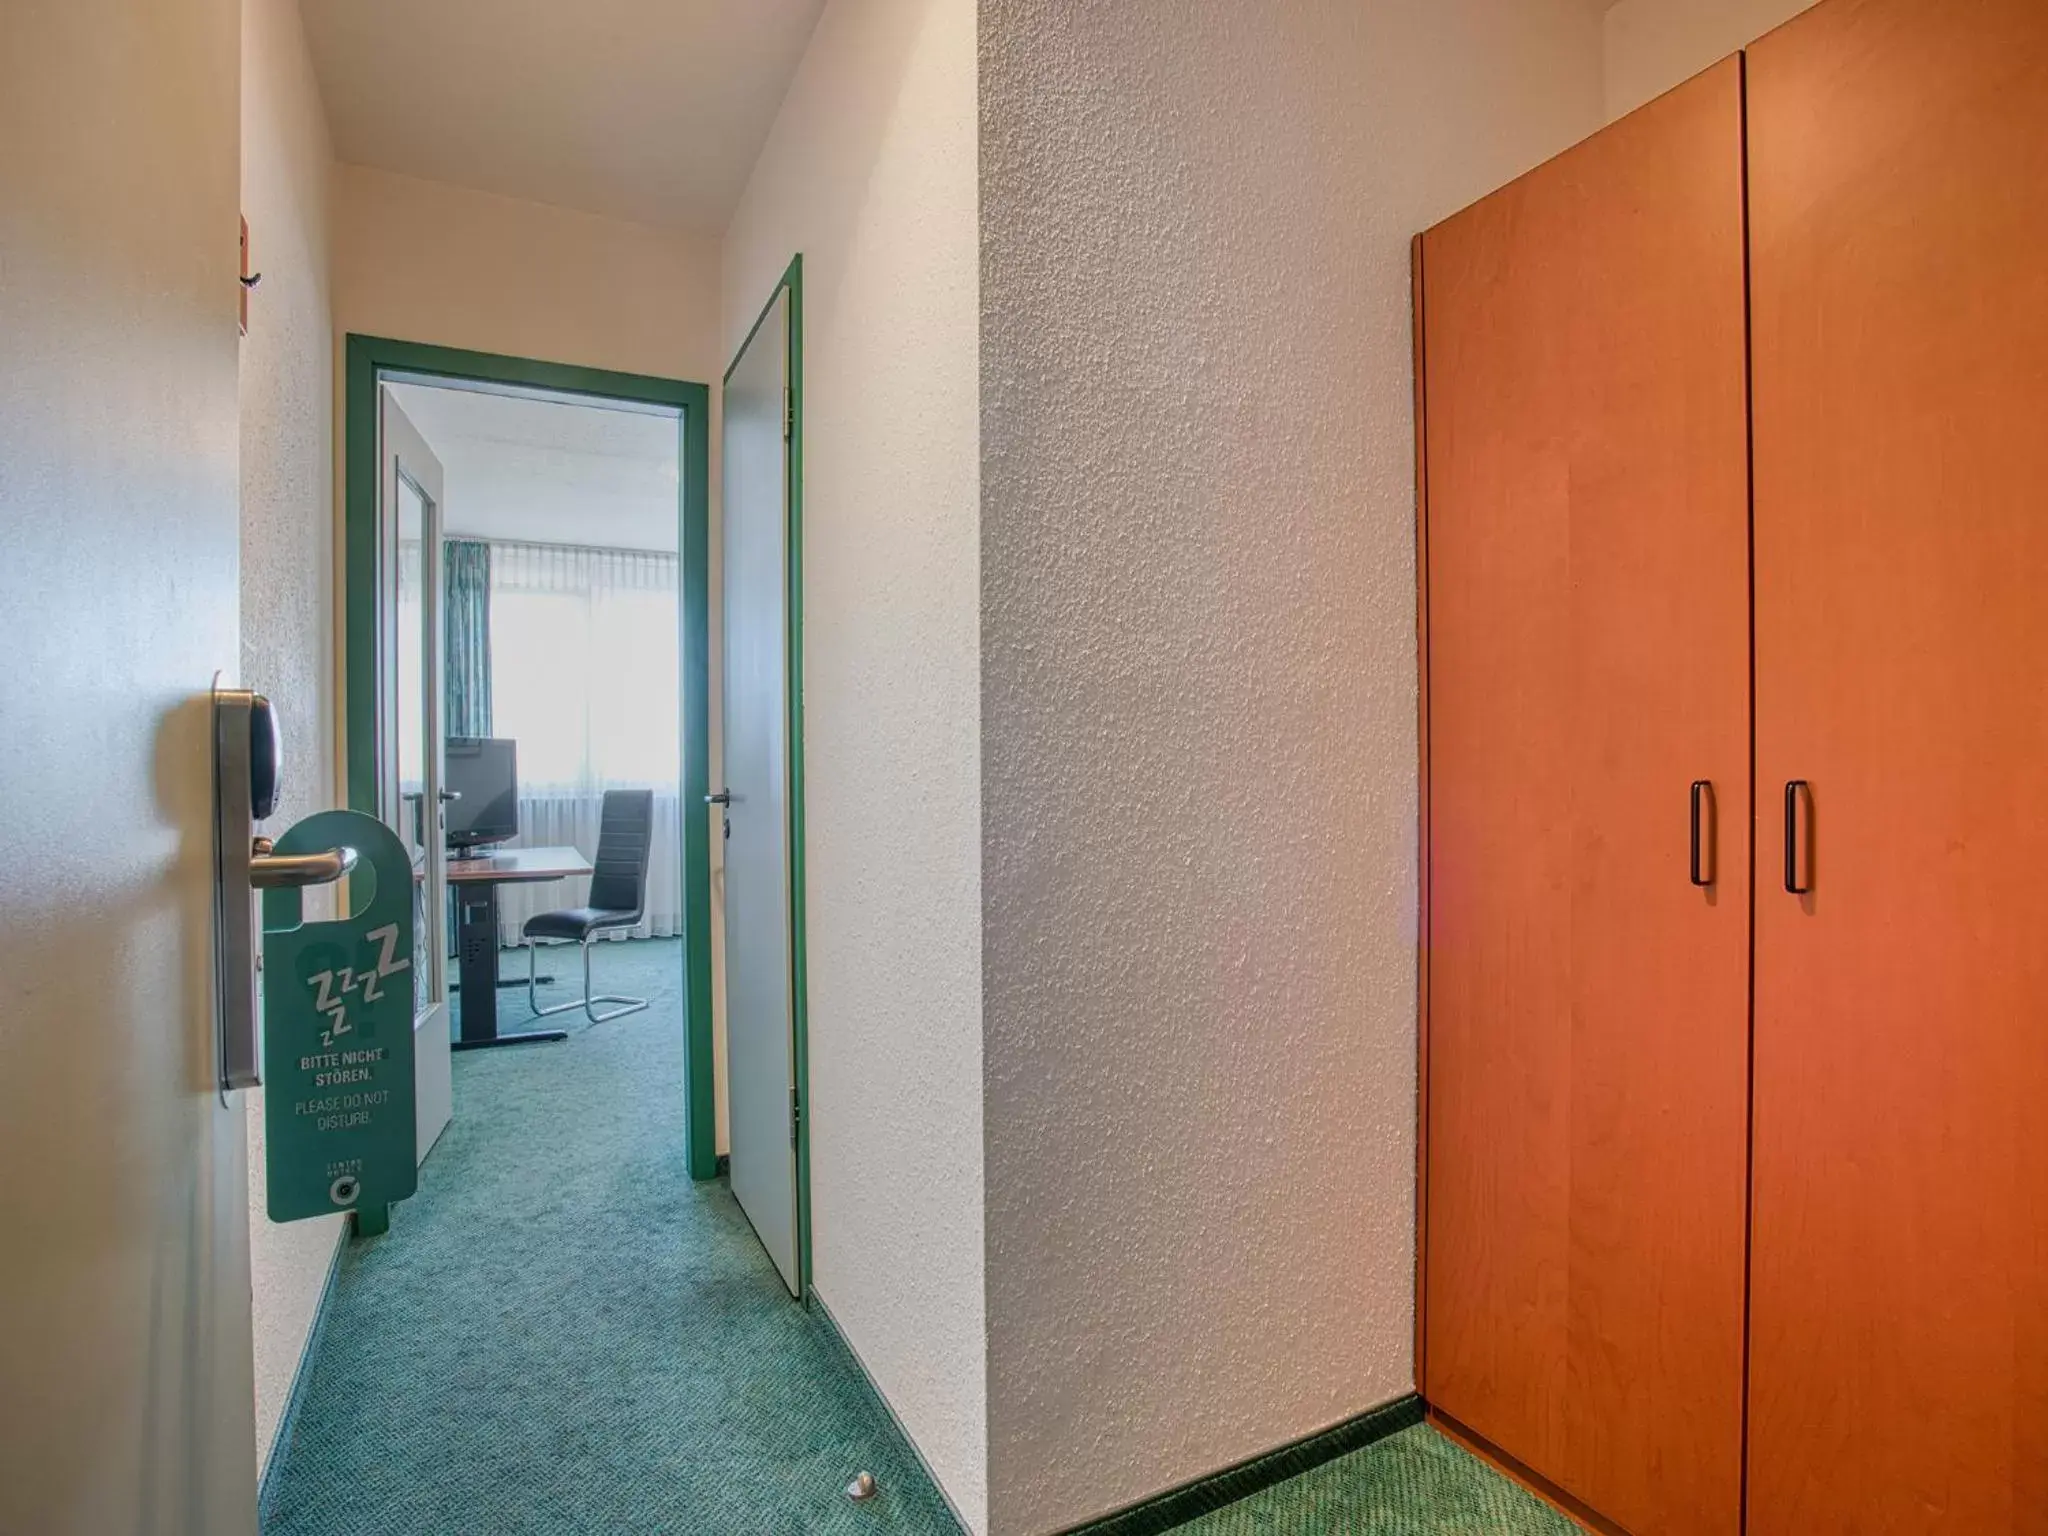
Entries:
{"x":466,"y":637}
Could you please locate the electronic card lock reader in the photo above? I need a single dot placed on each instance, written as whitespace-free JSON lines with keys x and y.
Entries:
{"x":333,"y":1034}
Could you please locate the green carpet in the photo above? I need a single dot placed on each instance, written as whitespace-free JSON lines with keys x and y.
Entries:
{"x":1412,"y":1482}
{"x":562,"y":1334}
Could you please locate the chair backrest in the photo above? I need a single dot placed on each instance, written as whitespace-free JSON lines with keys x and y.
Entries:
{"x":625,"y":834}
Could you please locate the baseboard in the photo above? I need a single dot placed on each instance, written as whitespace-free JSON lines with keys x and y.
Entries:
{"x":1178,"y":1506}
{"x":829,"y":1325}
{"x":288,"y":1421}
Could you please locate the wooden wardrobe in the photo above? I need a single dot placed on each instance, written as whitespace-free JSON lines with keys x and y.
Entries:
{"x":1734,"y":443}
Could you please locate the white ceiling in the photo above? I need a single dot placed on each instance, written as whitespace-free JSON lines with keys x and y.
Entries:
{"x":546,"y":471}
{"x":650,"y":110}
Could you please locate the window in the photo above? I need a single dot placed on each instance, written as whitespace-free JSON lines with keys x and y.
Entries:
{"x":584,"y":646}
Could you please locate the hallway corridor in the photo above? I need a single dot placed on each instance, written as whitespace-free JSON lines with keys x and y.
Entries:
{"x":562,"y":1334}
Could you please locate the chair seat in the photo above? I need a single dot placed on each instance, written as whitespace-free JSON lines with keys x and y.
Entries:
{"x":577,"y":922}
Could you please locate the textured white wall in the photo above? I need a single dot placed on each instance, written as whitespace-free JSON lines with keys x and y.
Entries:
{"x":1652,"y":45}
{"x":870,"y":173}
{"x":287,"y":374}
{"x":426,"y":261}
{"x":1198,"y":703}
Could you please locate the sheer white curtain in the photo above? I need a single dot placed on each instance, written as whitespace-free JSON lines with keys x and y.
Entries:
{"x":584,"y":676}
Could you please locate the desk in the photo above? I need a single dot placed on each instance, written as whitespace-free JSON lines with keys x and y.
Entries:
{"x":476,"y":882}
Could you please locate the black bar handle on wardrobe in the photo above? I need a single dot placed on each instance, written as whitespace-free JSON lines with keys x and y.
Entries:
{"x":1796,"y":790}
{"x":1702,"y":864}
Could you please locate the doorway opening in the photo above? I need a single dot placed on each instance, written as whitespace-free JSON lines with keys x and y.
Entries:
{"x":527,"y":648}
{"x":558,"y":1265}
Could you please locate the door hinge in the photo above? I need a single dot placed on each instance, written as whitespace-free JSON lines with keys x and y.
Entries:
{"x":796,"y":1115}
{"x":788,"y":415}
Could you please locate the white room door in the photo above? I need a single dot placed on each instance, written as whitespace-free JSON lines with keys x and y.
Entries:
{"x":411,"y":738}
{"x":759,"y":1018}
{"x":126,"y":1383}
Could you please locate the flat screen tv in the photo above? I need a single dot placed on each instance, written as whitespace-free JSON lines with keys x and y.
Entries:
{"x":483,"y":773}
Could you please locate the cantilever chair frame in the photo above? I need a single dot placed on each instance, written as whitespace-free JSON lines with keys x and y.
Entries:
{"x":587,"y":1002}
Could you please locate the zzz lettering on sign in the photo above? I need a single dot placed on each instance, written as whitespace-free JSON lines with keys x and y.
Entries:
{"x":331,"y":1000}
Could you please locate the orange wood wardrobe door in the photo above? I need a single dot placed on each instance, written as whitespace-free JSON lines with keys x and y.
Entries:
{"x":1587,"y":589}
{"x":1899,"y":1324}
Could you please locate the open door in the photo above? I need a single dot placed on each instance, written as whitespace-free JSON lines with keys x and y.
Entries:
{"x":410,"y":735}
{"x":124,"y":1299}
{"x":759,"y":985}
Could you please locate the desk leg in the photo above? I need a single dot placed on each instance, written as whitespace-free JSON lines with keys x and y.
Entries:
{"x":476,"y":922}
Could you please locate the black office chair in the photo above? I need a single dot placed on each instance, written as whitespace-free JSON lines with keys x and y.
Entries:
{"x":618,"y":899}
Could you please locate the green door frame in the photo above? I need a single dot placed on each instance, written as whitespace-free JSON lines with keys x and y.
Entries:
{"x":792,"y":283}
{"x":368,"y":359}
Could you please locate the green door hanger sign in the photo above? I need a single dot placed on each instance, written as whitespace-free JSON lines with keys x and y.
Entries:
{"x":337,"y":1032}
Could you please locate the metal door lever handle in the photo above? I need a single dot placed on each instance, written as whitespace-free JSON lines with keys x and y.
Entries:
{"x":280,"y":871}
{"x":723,"y":797}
